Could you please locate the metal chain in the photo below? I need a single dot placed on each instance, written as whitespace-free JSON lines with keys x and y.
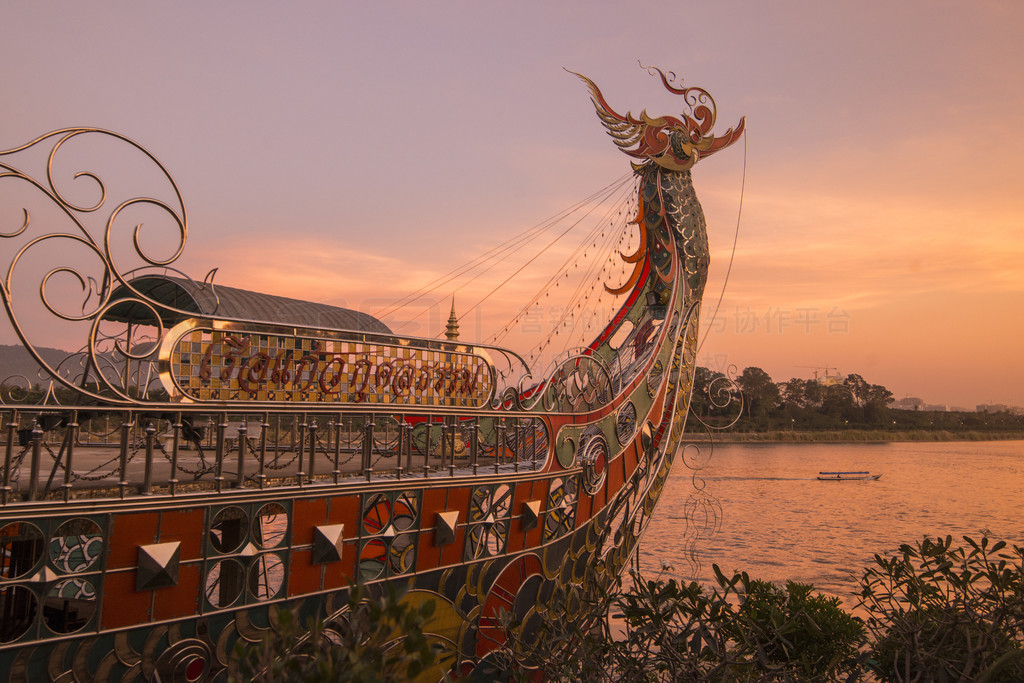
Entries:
{"x":203,"y":468}
{"x":91,"y":474}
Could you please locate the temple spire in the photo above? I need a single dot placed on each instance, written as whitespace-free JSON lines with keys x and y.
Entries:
{"x":452,"y":330}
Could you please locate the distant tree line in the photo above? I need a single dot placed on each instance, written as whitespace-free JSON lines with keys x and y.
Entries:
{"x":809,"y":404}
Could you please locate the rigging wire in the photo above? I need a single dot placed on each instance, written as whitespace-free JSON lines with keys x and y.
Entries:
{"x":578,"y":299}
{"x":732,"y":255}
{"x":613,"y":186}
{"x":574,"y":259}
{"x":607,"y":247}
{"x":493,"y":253}
{"x":562,"y":270}
{"x":509,"y":246}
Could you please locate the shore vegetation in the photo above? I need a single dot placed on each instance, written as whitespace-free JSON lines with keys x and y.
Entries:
{"x":932,"y":610}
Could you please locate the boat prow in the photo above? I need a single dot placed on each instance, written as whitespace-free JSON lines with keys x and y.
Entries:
{"x":255,"y":452}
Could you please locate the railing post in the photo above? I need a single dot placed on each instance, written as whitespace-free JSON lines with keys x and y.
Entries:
{"x":172,"y":482}
{"x":426,"y":449}
{"x":499,"y":443}
{"x":335,"y":426}
{"x":452,"y":433}
{"x":70,"y":436}
{"x":443,"y":443}
{"x":277,"y":438}
{"x":218,"y":465}
{"x":127,"y":422}
{"x":474,"y":444}
{"x":368,"y":447}
{"x":517,"y":444}
{"x":300,"y":476}
{"x":243,"y":441}
{"x":261,"y":476}
{"x":533,"y":441}
{"x":312,"y":449}
{"x":12,"y":428}
{"x":406,"y":436}
{"x":37,"y":442}
{"x":147,"y":477}
{"x":399,"y":452}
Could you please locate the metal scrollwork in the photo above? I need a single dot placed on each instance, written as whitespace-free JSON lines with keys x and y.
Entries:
{"x":578,"y":384}
{"x":593,"y":454}
{"x":16,"y":389}
{"x":78,"y":268}
{"x":724,"y":393}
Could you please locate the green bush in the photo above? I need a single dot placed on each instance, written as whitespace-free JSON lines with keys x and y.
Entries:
{"x":742,"y":629}
{"x":939,"y":613}
{"x":934,"y":613}
{"x":795,"y":630}
{"x":375,"y":640}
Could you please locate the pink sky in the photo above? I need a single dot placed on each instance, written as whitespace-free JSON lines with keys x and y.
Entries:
{"x":351,"y":153}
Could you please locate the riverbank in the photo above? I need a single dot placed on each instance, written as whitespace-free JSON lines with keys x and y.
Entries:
{"x":854,"y":435}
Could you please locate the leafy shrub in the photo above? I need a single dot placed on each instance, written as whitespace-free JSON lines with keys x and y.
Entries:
{"x":934,"y":613}
{"x":795,"y":630}
{"x":377,"y":639}
{"x":742,"y":629}
{"x":939,"y":613}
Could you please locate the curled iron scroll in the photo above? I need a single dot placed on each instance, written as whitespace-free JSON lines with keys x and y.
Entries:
{"x":68,"y":242}
{"x":724,"y":392}
{"x":577,"y":384}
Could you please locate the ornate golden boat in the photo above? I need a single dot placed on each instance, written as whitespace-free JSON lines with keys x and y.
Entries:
{"x":264,"y":452}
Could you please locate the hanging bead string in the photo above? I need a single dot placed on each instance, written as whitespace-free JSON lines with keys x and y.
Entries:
{"x":554,"y":278}
{"x":551,"y":244}
{"x":503,"y":256}
{"x":593,"y":299}
{"x":496,"y":255}
{"x":621,"y":228}
{"x":582,"y":298}
{"x":571,"y":263}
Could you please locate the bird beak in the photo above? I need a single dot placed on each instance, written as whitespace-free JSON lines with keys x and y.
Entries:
{"x":720,"y":142}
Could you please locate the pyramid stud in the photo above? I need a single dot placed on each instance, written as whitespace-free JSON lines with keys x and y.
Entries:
{"x":327,"y":543}
{"x":531,"y":514}
{"x":444,"y":527}
{"x":44,"y":575}
{"x":249,"y":550}
{"x":158,"y":566}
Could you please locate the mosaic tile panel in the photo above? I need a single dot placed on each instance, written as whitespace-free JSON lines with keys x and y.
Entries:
{"x":214,"y":365}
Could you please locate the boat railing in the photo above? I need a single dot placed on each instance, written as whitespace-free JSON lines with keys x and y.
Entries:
{"x":53,"y":454}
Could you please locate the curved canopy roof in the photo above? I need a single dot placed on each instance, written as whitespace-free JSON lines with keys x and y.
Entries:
{"x":206,"y":299}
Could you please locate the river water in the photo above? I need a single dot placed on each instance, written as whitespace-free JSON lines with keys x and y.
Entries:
{"x":759,"y":507}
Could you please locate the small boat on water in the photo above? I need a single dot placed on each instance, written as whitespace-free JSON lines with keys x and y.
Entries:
{"x":847,"y":476}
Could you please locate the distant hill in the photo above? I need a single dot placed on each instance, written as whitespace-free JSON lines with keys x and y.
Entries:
{"x":15,"y":360}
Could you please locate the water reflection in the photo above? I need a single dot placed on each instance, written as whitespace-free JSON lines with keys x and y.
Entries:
{"x":778,"y":522}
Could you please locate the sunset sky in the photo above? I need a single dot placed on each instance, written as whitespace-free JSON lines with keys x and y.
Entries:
{"x":351,"y":152}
